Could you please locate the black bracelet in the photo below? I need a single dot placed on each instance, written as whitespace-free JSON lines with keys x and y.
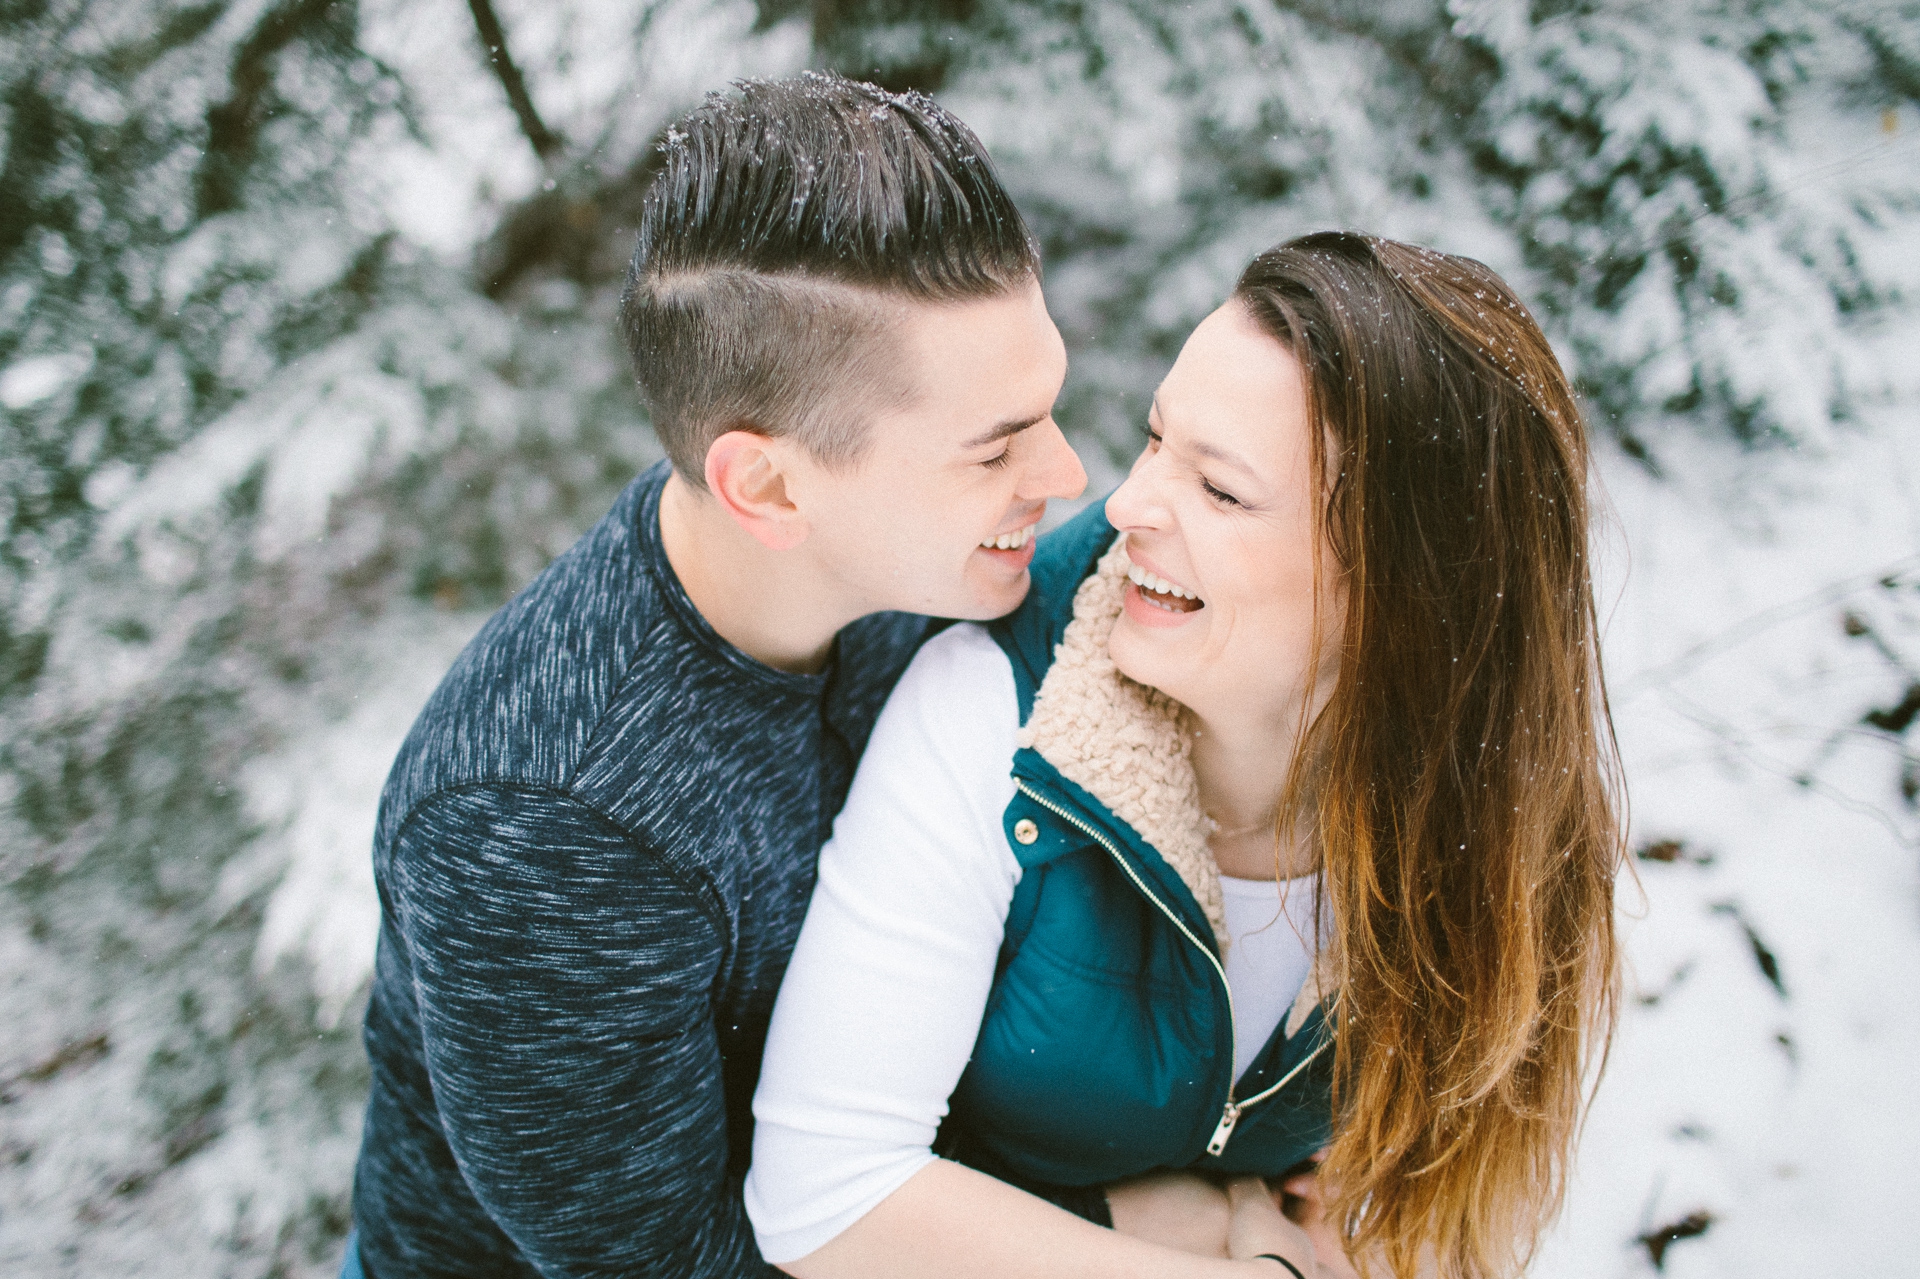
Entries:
{"x":1269,"y":1256}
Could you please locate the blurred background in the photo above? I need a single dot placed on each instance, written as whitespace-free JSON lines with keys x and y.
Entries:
{"x":307,"y":362}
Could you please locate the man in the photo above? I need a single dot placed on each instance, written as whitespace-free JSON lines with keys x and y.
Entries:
{"x":596,"y":846}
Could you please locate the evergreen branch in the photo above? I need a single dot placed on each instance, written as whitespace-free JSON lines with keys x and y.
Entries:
{"x":233,"y":126}
{"x":493,"y":38}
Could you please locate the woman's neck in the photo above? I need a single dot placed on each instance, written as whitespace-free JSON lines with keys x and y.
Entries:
{"x":1243,"y":763}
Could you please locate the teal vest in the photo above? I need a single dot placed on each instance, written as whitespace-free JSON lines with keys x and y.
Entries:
{"x":1106,"y":1049}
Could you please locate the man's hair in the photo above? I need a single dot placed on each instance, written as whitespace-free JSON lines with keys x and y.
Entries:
{"x":785,"y":214}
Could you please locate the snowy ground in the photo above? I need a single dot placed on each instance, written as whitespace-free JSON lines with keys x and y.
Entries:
{"x":1763,"y":1073}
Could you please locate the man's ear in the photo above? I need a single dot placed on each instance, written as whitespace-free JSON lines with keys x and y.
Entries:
{"x":746,"y":473}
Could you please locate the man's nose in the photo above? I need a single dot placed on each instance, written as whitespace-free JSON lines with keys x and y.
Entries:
{"x":1057,"y":471}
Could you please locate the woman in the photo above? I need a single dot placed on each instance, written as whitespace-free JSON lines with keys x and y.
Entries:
{"x":1331,"y":646}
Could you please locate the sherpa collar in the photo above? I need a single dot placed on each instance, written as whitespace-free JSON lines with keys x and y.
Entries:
{"x":1127,"y":746}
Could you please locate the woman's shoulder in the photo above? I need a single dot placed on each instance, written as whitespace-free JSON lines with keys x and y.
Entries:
{"x":961,"y":656}
{"x":956,"y":699}
{"x":937,"y":774}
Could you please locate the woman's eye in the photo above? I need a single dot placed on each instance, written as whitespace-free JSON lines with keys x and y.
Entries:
{"x":999,"y":461}
{"x":1224,"y":498}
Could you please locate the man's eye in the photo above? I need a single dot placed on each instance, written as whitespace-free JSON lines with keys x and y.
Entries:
{"x":999,"y":461}
{"x":1224,"y":498}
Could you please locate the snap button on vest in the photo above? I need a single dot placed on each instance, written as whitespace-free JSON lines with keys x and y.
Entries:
{"x":1025,"y":831}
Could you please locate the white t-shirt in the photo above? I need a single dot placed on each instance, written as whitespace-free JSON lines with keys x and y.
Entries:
{"x":1271,"y":927}
{"x":883,"y":998}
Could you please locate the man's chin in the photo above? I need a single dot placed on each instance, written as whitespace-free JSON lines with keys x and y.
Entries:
{"x":986,"y":601}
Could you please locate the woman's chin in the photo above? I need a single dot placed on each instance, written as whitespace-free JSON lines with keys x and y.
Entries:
{"x":1152,"y":655}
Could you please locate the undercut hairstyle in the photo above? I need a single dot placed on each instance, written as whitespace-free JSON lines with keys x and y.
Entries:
{"x":1462,"y":782}
{"x":788,"y":221}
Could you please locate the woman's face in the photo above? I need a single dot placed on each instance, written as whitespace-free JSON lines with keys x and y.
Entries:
{"x":1223,"y":508}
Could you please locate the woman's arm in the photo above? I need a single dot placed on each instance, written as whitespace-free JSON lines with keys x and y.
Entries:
{"x":950,"y":1222}
{"x":884,"y":993}
{"x":881,"y":1005}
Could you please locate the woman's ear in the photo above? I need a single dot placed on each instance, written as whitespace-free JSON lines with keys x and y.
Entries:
{"x":747,"y":474}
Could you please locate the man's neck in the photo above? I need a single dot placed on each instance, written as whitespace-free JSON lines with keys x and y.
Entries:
{"x":771,"y":605}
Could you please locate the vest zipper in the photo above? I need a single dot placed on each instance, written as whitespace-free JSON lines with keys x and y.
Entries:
{"x":1230,"y":1116}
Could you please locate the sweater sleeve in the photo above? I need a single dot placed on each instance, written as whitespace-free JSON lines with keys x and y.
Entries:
{"x":563,"y":979}
{"x":882,"y":1001}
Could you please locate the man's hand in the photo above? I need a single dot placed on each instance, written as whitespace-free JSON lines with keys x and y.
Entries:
{"x":1247,"y":1218}
{"x":1256,"y":1227}
{"x":1303,"y":1197}
{"x":1241,"y":1221}
{"x":1175,"y":1209}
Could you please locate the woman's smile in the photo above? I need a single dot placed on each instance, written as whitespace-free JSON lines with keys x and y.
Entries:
{"x":1153,"y":600}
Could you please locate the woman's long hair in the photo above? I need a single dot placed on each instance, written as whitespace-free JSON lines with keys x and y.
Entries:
{"x":1463,"y":781}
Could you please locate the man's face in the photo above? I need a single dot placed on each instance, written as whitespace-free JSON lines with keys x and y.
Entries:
{"x":938,"y":514}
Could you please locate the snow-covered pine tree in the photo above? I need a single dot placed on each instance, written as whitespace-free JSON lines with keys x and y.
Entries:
{"x":246,"y":417}
{"x":172,"y":238}
{"x":1697,"y":198}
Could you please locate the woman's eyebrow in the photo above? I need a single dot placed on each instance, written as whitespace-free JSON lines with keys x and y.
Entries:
{"x":1226,"y":457}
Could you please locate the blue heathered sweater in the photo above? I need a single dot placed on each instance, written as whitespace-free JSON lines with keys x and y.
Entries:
{"x":593,"y":854}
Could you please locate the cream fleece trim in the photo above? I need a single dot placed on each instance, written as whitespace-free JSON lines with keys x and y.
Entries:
{"x":1122,"y":742}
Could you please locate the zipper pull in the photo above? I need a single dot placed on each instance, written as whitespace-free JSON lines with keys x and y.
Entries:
{"x":1228,"y":1118}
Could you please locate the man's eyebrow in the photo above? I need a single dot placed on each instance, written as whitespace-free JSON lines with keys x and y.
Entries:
{"x":1012,"y":426}
{"x":1226,"y":457}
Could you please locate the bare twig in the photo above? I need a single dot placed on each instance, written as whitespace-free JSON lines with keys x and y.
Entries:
{"x":493,"y":38}
{"x":1663,"y":673}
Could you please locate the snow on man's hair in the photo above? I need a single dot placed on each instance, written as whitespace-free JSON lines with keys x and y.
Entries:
{"x":784,"y":214}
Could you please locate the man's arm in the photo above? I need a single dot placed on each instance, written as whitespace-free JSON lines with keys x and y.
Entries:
{"x":564,"y":980}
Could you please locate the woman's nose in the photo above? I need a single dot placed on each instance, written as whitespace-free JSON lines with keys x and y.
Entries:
{"x":1136,"y":503}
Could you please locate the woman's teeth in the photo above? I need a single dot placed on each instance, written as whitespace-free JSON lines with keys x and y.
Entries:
{"x":1010,"y":541}
{"x":1150,"y":582}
